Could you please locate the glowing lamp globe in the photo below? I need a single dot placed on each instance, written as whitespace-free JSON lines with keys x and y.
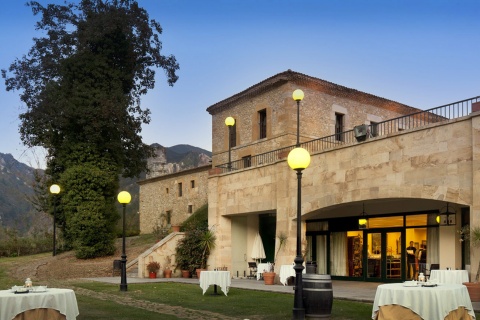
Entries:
{"x":230,"y":122}
{"x":298,"y":159}
{"x":298,"y":95}
{"x":124,"y":197}
{"x":55,"y":189}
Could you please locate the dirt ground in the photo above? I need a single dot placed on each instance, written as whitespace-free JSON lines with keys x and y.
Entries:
{"x":66,"y":266}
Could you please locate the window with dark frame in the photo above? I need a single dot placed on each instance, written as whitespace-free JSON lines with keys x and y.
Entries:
{"x":339,"y":123}
{"x":247,"y":161}
{"x":262,"y":114}
{"x":232,"y":135}
{"x":192,"y":184}
{"x":169,"y":217}
{"x":190,"y":208}
{"x":373,"y":129}
{"x":166,"y":190}
{"x":180,"y":192}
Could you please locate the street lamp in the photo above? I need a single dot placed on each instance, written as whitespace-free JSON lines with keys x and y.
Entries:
{"x":298,"y":96}
{"x":298,"y":159}
{"x":54,"y":189}
{"x":124,"y":198}
{"x":230,"y":122}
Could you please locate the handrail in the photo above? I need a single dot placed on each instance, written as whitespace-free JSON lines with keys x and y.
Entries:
{"x":418,"y":119}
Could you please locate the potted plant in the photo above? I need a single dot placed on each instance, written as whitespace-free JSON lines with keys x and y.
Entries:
{"x":193,"y":250}
{"x":167,"y":272}
{"x":206,"y":245}
{"x":153,"y":267}
{"x":473,"y":236}
{"x":269,"y":276}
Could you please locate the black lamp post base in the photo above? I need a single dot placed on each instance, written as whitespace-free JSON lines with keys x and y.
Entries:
{"x":298,"y":313}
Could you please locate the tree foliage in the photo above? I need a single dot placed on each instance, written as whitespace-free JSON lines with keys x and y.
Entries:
{"x":84,"y":79}
{"x":81,"y":84}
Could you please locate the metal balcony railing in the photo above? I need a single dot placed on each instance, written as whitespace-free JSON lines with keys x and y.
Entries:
{"x":415,"y":120}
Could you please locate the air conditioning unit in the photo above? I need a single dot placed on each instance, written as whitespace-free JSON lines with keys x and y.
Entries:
{"x":360,"y":132}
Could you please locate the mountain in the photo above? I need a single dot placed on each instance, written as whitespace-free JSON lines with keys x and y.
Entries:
{"x":17,"y":179}
{"x":177,"y":158}
{"x":16,"y":187}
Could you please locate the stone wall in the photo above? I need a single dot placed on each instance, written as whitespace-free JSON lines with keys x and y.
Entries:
{"x":437,"y":163}
{"x":160,"y":195}
{"x":317,"y":118}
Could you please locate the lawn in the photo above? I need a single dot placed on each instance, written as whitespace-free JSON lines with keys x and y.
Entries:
{"x":240,"y":304}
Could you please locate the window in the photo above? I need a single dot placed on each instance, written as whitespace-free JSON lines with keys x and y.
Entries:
{"x":192,"y":184}
{"x":262,"y":114}
{"x":247,"y":161}
{"x":180,"y":189}
{"x":166,"y":190}
{"x":339,"y":126}
{"x":373,"y":129}
{"x":232,"y":135}
{"x":190,"y":208}
{"x":169,"y":217}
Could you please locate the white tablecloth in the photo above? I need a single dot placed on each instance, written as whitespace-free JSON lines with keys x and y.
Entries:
{"x":63,"y":300}
{"x":287,"y":271}
{"x":262,"y":267}
{"x":449,"y":276}
{"x":429,"y":303}
{"x":219,"y":278}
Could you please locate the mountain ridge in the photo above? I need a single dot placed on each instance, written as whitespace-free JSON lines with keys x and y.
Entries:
{"x":17,"y":180}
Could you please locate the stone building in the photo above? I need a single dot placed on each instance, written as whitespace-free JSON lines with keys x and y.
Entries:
{"x":410,"y":173}
{"x":170,"y":199}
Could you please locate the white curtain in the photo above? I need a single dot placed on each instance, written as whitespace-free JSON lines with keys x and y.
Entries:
{"x":338,"y":249}
{"x":433,"y":250}
{"x":321,"y":254}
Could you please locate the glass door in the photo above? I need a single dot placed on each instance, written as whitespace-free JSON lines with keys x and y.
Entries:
{"x":384,"y":256}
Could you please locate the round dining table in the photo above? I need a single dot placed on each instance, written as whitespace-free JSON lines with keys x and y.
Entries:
{"x":409,"y":301}
{"x":48,"y":304}
{"x":449,"y":276}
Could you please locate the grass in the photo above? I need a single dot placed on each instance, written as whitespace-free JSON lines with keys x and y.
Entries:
{"x":178,"y":300}
{"x":242,"y":304}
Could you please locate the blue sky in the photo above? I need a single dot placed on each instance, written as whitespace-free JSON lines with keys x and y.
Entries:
{"x":421,"y":53}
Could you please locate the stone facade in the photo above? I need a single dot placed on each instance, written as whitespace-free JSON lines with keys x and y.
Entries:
{"x":317,"y":114}
{"x":415,"y":170}
{"x":161,"y":202}
{"x":404,"y":170}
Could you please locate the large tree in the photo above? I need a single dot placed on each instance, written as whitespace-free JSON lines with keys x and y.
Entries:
{"x":81,"y":84}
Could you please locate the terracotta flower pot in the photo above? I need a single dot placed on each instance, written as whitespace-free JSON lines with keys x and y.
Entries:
{"x":269,"y":278}
{"x":175,"y":228}
{"x":473,"y":290}
{"x":198,"y":272}
{"x":167,"y":273}
{"x":152,"y":275}
{"x":185,"y":274}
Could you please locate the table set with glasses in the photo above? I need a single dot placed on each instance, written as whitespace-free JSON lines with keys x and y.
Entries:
{"x":422,"y":300}
{"x":38,"y":302}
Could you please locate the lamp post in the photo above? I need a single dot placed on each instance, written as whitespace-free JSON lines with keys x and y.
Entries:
{"x":54,"y":189}
{"x":230,"y":122}
{"x":124,"y":198}
{"x":298,"y":159}
{"x":298,"y":96}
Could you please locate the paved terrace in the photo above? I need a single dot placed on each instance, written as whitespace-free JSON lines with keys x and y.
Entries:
{"x":347,"y":290}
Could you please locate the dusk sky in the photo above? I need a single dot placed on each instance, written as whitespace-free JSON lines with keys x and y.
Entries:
{"x":420,"y":53}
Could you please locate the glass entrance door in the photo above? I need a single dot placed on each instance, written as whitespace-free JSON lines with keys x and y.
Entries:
{"x":384,"y":260}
